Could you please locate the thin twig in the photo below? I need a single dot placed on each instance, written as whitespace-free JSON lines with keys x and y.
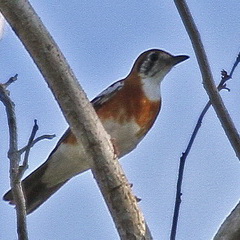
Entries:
{"x":14,"y":157}
{"x":221,"y":86}
{"x":235,"y":65}
{"x":24,"y":166}
{"x":28,"y":147}
{"x":36,"y":140}
{"x":181,"y":170}
{"x":10,"y":81}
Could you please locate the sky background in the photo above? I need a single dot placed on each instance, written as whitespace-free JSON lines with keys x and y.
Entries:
{"x":101,"y":40}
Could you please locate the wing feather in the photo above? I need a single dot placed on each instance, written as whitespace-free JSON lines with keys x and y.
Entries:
{"x":108,"y":93}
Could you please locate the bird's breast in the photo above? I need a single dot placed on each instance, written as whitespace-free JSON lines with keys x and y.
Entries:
{"x":124,"y":135}
{"x":128,"y":122}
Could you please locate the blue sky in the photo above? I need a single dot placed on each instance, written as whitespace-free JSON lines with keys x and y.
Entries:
{"x":101,"y":40}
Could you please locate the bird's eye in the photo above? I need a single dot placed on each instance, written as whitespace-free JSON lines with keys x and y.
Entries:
{"x":153,"y":57}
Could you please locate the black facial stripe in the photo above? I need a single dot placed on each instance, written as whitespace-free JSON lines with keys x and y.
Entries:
{"x":153,"y":74}
{"x":153,"y":57}
{"x":148,"y":66}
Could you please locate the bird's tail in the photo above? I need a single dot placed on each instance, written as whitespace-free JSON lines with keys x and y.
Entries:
{"x":35,"y":191}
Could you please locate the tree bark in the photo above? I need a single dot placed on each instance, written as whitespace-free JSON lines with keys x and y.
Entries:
{"x":230,"y":229}
{"x":80,"y":115}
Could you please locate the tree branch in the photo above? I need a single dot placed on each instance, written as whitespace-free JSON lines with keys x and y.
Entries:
{"x":26,"y":149}
{"x":36,"y":140}
{"x":208,"y":81}
{"x":230,"y":229}
{"x":24,"y":166}
{"x":81,"y":117}
{"x":14,"y":157}
{"x":221,"y":111}
{"x":221,"y":86}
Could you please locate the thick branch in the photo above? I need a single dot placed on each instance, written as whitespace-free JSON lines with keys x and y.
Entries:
{"x":208,"y":81}
{"x":80,"y":116}
{"x":230,"y":229}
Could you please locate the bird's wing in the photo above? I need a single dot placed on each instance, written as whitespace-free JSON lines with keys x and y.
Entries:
{"x":108,"y":93}
{"x":37,"y":191}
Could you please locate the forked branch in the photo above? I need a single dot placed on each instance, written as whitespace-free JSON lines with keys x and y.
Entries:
{"x":221,"y":86}
{"x":14,"y":157}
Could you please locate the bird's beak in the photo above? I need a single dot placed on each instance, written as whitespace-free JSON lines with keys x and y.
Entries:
{"x":179,"y":58}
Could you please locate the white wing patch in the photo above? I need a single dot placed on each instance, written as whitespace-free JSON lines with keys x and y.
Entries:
{"x":107,"y":94}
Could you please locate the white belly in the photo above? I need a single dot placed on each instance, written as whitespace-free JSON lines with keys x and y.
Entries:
{"x":69,"y":160}
{"x":124,"y":134}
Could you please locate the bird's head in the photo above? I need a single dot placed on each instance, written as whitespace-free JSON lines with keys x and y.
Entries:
{"x":155,"y":64}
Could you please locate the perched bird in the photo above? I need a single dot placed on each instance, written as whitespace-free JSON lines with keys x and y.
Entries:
{"x":127,"y":110}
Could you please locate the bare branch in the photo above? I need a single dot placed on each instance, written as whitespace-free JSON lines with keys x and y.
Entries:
{"x":10,"y":81}
{"x":212,"y":91}
{"x":230,"y":229}
{"x":221,"y":86}
{"x":45,"y":136}
{"x":14,"y":157}
{"x":235,"y":65}
{"x":208,"y":81}
{"x":24,"y":166}
{"x":80,"y":115}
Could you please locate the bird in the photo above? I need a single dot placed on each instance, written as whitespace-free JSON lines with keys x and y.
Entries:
{"x":127,"y":109}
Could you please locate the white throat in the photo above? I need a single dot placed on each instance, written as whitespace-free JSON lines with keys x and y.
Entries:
{"x":151,"y":88}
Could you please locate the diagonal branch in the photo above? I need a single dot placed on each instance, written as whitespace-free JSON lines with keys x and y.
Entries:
{"x":36,"y":140}
{"x":208,"y":81}
{"x":24,"y":166}
{"x":80,"y":115}
{"x":214,"y":96}
{"x":31,"y":143}
{"x":221,"y":86}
